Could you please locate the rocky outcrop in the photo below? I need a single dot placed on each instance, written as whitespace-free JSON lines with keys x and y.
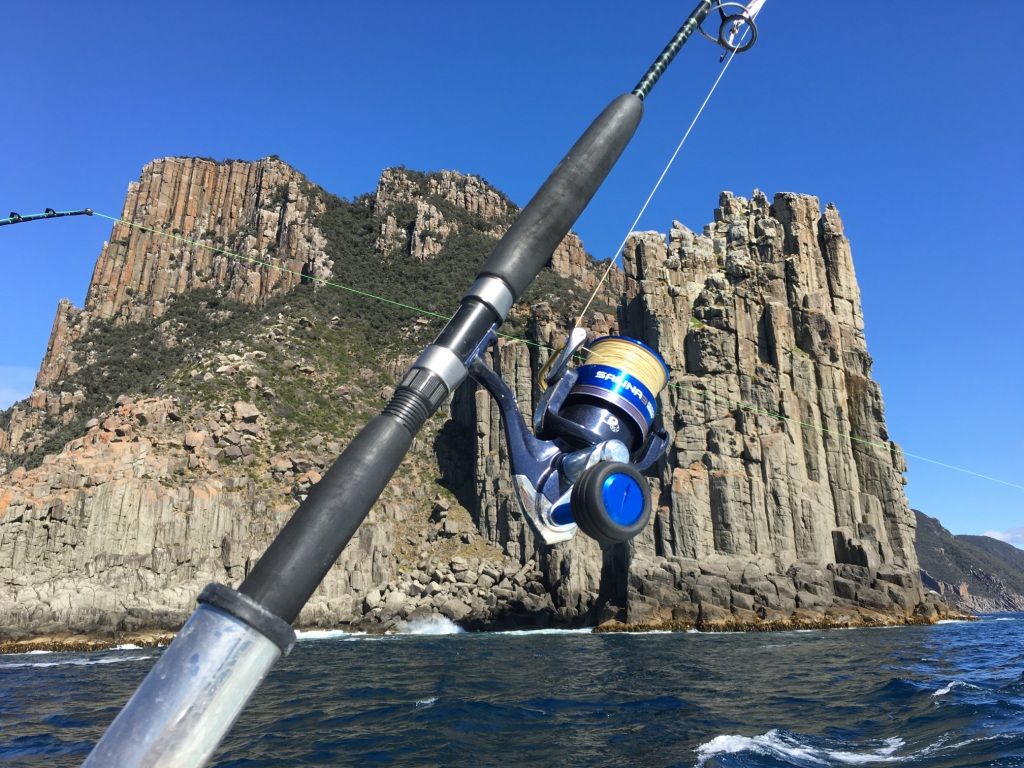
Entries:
{"x":972,"y":573}
{"x":116,"y":535}
{"x":780,"y":502}
{"x":781,"y":491}
{"x":262,"y":210}
{"x":245,"y":229}
{"x":411,"y":223}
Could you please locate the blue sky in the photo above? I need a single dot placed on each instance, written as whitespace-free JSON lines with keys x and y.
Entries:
{"x":907,"y":115}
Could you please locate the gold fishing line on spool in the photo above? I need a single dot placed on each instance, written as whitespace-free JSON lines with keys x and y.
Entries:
{"x":628,"y":356}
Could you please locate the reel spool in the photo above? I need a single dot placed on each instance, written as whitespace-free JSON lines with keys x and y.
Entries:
{"x":616,"y":389}
{"x":593,"y":435}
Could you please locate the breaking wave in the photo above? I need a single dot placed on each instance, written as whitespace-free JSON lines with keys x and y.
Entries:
{"x":951,"y":686}
{"x":790,"y":749}
{"x":326,"y":634}
{"x":521,"y":632}
{"x":435,"y":625}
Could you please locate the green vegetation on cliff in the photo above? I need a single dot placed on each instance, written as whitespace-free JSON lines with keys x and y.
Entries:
{"x":349,"y":340}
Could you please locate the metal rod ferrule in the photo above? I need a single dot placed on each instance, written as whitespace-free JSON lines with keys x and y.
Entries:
{"x":191,"y":696}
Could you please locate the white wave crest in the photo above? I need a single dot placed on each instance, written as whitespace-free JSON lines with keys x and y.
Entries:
{"x":954,"y":684}
{"x":326,"y":634}
{"x":127,"y":647}
{"x":435,"y":625}
{"x":421,"y":703}
{"x":531,"y":632}
{"x":778,"y":745}
{"x":76,"y":662}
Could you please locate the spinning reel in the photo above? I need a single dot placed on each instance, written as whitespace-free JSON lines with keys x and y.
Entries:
{"x":592,"y":436}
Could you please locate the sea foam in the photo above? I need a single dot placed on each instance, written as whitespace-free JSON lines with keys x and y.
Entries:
{"x":784,"y":747}
{"x":326,"y":634}
{"x":550,"y":631}
{"x":435,"y":625}
{"x":951,"y":686}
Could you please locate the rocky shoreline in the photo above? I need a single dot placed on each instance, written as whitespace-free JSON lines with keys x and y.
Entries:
{"x":799,"y":620}
{"x":492,"y":593}
{"x":86,"y":642}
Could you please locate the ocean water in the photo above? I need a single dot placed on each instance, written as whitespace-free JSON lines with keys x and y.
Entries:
{"x":942,"y":696}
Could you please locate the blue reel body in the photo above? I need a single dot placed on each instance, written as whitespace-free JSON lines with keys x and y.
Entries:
{"x":593,"y":434}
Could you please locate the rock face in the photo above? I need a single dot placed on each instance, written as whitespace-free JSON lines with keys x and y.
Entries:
{"x":117,"y":532}
{"x":120,"y":531}
{"x":972,"y":573}
{"x":781,"y":490}
{"x":401,"y":197}
{"x":781,"y":498}
{"x":261,"y":210}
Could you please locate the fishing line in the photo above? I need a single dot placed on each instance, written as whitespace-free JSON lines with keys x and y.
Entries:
{"x":654,"y":189}
{"x":271,"y":265}
{"x":671,"y":385}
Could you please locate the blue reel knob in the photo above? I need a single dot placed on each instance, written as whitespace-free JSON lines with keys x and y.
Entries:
{"x":611,"y":502}
{"x":623,"y":498}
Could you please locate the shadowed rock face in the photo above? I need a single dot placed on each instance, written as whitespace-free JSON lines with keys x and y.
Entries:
{"x":781,"y":498}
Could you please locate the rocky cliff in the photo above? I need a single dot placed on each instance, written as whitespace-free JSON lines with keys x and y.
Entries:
{"x":261,"y":211}
{"x":782,"y":492}
{"x":204,"y":387}
{"x":972,"y":573}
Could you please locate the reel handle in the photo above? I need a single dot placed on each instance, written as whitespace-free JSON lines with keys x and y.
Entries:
{"x":611,"y":502}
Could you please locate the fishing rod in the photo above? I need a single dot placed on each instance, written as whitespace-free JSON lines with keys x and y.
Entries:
{"x":581,"y":468}
{"x":49,"y":213}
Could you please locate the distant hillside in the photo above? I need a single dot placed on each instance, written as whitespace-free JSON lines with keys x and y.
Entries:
{"x":976,"y":573}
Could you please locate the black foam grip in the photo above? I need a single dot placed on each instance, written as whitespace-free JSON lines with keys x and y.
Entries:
{"x":309,"y":544}
{"x":547,"y":218}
